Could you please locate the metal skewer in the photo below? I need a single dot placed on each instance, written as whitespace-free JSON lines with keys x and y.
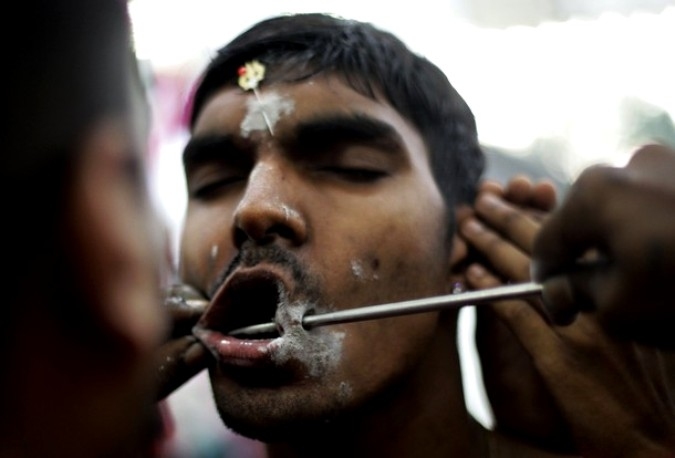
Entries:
{"x":372,"y":312}
{"x":263,"y":112}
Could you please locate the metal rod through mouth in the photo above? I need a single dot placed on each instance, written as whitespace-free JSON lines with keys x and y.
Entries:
{"x":372,"y":312}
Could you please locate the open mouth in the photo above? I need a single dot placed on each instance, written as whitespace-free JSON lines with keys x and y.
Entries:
{"x":247,"y":300}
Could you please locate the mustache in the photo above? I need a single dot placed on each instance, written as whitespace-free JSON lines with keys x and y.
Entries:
{"x":250,"y":255}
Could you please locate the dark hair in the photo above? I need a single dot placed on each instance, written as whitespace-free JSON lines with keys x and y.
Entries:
{"x":374,"y":63}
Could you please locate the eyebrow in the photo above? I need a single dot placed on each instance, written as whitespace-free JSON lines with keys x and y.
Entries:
{"x":348,"y":128}
{"x":311,"y":134}
{"x":208,"y":147}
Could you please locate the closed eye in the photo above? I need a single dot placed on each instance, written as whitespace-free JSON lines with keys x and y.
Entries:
{"x":211,"y":188}
{"x":215,"y":163}
{"x":354,"y":174}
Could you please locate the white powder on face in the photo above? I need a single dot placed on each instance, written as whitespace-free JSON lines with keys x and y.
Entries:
{"x":319,"y":351}
{"x":289,"y":212}
{"x":270,"y":105}
{"x":214,"y":252}
{"x":345,"y":391}
{"x":357,"y":269}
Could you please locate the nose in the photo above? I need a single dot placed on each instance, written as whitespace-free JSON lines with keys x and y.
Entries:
{"x":268,"y":209}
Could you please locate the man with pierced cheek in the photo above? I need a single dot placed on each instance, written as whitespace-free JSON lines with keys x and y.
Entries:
{"x":317,"y":180}
{"x":326,"y":168}
{"x":325,"y":165}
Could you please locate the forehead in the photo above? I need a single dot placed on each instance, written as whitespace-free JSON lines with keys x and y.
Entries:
{"x":315,"y":98}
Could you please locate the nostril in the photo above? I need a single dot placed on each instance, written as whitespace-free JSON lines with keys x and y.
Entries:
{"x":273,"y":232}
{"x":282,"y":231}
{"x":239,"y":237}
{"x":263,"y":222}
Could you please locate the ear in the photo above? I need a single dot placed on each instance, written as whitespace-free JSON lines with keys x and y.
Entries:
{"x":115,"y":256}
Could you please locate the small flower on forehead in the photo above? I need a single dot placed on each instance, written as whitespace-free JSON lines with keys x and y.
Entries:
{"x":250,"y":75}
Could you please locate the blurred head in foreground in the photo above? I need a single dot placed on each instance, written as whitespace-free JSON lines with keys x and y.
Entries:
{"x":81,"y":315}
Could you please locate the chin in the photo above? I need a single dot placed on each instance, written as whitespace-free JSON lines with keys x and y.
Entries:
{"x":284,"y":413}
{"x":272,"y":431}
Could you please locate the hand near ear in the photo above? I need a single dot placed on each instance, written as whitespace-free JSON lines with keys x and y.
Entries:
{"x":627,"y":216}
{"x":520,"y":401}
{"x":615,"y":397}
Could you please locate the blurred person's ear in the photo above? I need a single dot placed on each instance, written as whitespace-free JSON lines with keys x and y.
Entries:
{"x":115,"y":239}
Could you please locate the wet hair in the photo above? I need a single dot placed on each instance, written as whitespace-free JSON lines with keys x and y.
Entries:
{"x":374,"y":63}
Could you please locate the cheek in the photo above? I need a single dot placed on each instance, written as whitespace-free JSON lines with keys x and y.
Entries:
{"x":206,"y":243}
{"x":393,"y":263}
{"x":407,"y":254}
{"x":397,"y":253}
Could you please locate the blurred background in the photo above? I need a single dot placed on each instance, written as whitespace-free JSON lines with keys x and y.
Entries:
{"x":555,"y":85}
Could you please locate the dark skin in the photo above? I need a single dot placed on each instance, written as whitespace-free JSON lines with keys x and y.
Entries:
{"x":181,"y":356}
{"x":279,"y":199}
{"x":560,"y":415}
{"x":512,"y":382}
{"x":285,"y":213}
{"x":614,"y":397}
{"x":629,"y":224}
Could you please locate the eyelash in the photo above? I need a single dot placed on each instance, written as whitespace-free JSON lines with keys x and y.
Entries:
{"x":351,"y":174}
{"x":212,"y":188}
{"x":355,"y":174}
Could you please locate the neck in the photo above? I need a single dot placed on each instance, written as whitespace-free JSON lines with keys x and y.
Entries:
{"x":424,"y":415}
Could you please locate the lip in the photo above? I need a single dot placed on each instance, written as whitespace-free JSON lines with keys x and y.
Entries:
{"x":261,"y":281}
{"x":230,"y":350}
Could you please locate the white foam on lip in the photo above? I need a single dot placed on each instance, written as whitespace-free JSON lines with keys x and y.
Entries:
{"x":345,"y":390}
{"x":319,"y":351}
{"x":268,"y":107}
